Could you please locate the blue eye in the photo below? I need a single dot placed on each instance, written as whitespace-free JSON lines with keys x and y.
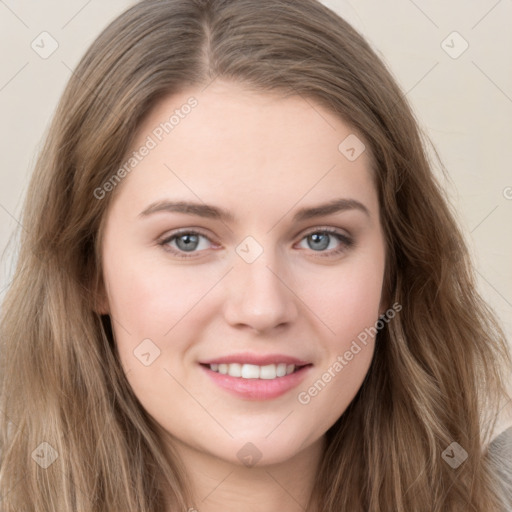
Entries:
{"x":188,"y":242}
{"x":323,"y":239}
{"x":325,"y":242}
{"x":184,"y":242}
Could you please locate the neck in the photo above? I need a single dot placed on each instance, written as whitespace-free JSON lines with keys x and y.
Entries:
{"x":219,"y":484}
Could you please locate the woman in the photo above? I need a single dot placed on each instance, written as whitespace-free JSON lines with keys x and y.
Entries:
{"x":241,"y":285}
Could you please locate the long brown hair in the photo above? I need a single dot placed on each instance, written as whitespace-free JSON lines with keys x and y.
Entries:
{"x":437,"y":376}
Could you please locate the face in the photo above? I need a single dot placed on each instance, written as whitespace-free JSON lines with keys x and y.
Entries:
{"x":243,"y":259}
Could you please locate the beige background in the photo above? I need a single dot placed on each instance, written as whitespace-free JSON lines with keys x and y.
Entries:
{"x":463,"y":103}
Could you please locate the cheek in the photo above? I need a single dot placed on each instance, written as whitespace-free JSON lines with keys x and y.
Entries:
{"x":152,"y":301}
{"x":346,"y":300}
{"x":148,"y":298}
{"x":324,"y":399}
{"x":348,"y":304}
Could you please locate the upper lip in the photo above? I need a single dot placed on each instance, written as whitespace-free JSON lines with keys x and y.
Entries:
{"x":256,"y":359}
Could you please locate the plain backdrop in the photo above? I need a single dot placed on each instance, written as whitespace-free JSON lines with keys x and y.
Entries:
{"x":453,"y":61}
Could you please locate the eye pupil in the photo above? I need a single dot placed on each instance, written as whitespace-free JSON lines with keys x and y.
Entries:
{"x":187,"y":242}
{"x":322,"y":239}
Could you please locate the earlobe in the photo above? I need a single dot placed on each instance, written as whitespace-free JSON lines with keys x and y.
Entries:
{"x":384,"y":305}
{"x":101,"y":305}
{"x":385,"y":297}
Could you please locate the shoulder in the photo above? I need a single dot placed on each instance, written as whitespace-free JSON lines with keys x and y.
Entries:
{"x":500,"y":456}
{"x":500,"y":448}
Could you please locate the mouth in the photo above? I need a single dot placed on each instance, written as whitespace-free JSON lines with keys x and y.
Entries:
{"x":250,"y":381}
{"x":253,"y":371}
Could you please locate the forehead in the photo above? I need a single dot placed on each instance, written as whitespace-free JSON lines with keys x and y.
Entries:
{"x":228,"y":143}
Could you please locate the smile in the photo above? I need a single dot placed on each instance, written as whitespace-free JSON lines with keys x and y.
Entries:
{"x":248,"y":381}
{"x":253,"y":371}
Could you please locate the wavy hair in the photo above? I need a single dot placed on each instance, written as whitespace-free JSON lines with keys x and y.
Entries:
{"x":438,"y":372}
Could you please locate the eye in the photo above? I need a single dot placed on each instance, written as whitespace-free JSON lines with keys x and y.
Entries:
{"x":185,"y":242}
{"x":331,"y":239}
{"x":188,"y":243}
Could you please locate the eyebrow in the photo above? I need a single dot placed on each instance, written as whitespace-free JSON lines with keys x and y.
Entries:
{"x":217,"y":213}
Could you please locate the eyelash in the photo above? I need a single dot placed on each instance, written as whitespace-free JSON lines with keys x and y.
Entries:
{"x":345,"y":242}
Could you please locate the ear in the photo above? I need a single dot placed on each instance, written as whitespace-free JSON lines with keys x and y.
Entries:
{"x":386,"y":294}
{"x":385,"y":300}
{"x":382,"y":310}
{"x":100,"y":301}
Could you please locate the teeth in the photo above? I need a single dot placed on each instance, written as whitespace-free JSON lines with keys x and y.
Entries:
{"x":268,"y":372}
{"x":281,"y":369}
{"x":235,"y":370}
{"x":252,"y":371}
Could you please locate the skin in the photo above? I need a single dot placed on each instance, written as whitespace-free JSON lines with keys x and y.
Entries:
{"x":262,"y":157}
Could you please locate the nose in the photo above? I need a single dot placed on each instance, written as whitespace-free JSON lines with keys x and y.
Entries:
{"x":259,"y":296}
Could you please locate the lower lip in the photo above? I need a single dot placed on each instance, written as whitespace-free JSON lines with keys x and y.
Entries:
{"x":258,"y":389}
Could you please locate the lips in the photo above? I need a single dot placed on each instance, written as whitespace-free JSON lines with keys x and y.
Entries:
{"x":259,"y":360}
{"x":256,"y":377}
